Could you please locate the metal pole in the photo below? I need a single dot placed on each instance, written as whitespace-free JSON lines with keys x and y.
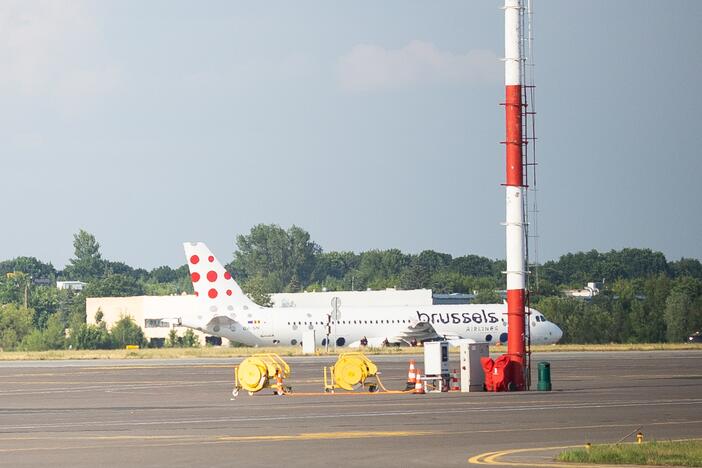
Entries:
{"x":514,"y":193}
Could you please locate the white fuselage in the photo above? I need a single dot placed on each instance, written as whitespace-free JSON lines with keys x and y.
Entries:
{"x":286,"y":326}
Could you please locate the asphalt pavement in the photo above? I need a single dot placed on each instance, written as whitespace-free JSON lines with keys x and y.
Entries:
{"x":182,"y":413}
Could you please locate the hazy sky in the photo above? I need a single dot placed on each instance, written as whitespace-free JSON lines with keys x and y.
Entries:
{"x":369,"y":124}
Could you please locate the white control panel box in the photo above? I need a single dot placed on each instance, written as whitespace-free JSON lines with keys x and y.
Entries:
{"x":436,"y":358}
{"x":472,"y":375}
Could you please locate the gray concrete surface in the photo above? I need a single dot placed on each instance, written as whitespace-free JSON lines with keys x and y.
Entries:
{"x":180,"y":413}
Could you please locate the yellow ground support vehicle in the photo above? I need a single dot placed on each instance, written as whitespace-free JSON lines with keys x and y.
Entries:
{"x":350,"y":372}
{"x":261,"y":371}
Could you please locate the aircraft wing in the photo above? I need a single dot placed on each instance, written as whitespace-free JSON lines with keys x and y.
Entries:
{"x":417,"y":332}
{"x":420,"y":331}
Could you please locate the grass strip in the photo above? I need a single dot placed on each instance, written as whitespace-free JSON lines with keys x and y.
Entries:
{"x":666,"y":453}
{"x":226,"y":352}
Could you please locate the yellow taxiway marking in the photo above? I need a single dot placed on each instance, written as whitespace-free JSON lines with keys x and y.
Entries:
{"x":171,"y":441}
{"x":493,"y":458}
{"x":327,"y":435}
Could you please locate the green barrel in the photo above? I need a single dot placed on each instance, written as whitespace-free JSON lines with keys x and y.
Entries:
{"x":544,"y":384}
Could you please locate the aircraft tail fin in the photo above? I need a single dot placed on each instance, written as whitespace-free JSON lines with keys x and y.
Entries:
{"x":212,"y":283}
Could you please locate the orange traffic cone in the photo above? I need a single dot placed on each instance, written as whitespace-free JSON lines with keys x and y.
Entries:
{"x":279,"y":383}
{"x":455,"y":387}
{"x":411,"y":375}
{"x":418,"y":387}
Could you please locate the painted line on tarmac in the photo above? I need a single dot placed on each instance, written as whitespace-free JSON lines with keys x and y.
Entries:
{"x":489,"y":458}
{"x":493,"y":458}
{"x":327,"y":436}
{"x":365,"y":414}
{"x":102,"y":387}
{"x":170,"y":441}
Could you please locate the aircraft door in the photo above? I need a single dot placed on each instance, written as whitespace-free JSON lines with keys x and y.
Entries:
{"x":266,"y":324}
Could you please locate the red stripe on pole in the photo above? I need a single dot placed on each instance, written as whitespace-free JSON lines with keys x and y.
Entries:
{"x":515,"y":337}
{"x":513,"y":112}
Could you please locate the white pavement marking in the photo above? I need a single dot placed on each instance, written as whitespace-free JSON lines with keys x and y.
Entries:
{"x":438,"y":412}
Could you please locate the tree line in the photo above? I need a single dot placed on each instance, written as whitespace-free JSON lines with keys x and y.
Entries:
{"x":644,"y":298}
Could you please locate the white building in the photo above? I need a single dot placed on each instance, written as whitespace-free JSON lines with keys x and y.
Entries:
{"x":151,"y":313}
{"x":74,"y":285}
{"x":588,"y":292}
{"x":385,"y":298}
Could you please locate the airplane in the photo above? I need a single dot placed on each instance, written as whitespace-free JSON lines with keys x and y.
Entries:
{"x":224,"y":310}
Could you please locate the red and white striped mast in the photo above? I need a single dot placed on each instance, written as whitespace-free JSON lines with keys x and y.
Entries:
{"x":516,"y":274}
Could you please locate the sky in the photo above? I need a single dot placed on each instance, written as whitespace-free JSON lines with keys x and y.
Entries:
{"x":371,"y":125}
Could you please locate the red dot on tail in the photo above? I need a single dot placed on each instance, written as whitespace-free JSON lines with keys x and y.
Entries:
{"x":229,"y":292}
{"x":197,"y":293}
{"x":212,"y":293}
{"x":227,"y":275}
{"x":194,"y":259}
{"x":210,"y":258}
{"x":212,"y":276}
{"x":195,"y":277}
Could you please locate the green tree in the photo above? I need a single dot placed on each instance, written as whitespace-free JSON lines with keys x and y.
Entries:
{"x":686,"y":267}
{"x":580,"y":321}
{"x":380,"y":268}
{"x":190,"y":339}
{"x":285,"y":258}
{"x":415,"y":276}
{"x":472,"y":265}
{"x":52,"y":337}
{"x":46,"y":301}
{"x":15,"y":324}
{"x":29,"y":266}
{"x":126,"y":332}
{"x":432,"y":261}
{"x":336,"y":265}
{"x":85,"y":336}
{"x":259,"y":289}
{"x":450,"y":282}
{"x":677,"y":309}
{"x":173,"y":340}
{"x":14,"y":288}
{"x":487,"y":296}
{"x":87,"y":263}
{"x":114,"y":286}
